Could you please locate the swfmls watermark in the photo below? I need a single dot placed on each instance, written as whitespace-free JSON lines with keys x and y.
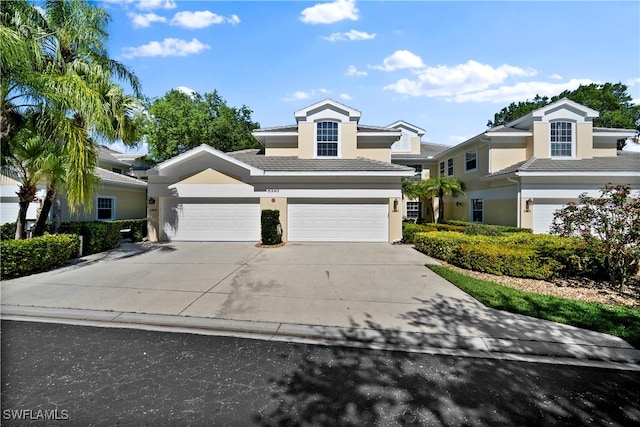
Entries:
{"x":35,"y":414}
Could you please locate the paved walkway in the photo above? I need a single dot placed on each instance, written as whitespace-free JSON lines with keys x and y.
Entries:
{"x":373,"y":295}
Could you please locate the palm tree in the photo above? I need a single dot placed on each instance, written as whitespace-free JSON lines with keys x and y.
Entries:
{"x":432,"y":188}
{"x":24,"y":164}
{"x":67,"y":76}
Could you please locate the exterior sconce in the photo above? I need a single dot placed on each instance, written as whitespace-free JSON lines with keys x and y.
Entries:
{"x":395,"y":205}
{"x":527,"y":205}
{"x":458,"y":203}
{"x":152,"y":201}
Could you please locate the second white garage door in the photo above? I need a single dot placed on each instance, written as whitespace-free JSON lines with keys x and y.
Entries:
{"x":334,"y":221}
{"x":224,"y":220}
{"x":543,"y":216}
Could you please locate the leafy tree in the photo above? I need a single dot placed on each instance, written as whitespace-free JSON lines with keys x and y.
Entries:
{"x":179,"y":122}
{"x":611,"y":100}
{"x":515,"y":111}
{"x":610,"y":222}
{"x":434,"y":188}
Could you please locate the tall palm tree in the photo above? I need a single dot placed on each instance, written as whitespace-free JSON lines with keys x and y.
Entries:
{"x":68,"y":76}
{"x":433,"y":188}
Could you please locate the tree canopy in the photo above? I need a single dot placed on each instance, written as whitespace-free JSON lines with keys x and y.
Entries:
{"x":179,"y":122}
{"x":611,"y":100}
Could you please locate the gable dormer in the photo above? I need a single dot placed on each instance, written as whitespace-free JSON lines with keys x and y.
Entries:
{"x":563,"y":130}
{"x":409,"y":141}
{"x":328,"y":130}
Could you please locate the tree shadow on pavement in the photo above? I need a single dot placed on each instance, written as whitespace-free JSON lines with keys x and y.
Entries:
{"x":348,"y":386}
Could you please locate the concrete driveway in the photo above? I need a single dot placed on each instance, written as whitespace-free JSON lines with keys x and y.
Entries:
{"x":370,"y":290}
{"x":313,"y":283}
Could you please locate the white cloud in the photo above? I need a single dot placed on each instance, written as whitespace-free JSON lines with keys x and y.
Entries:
{"x":633,"y":82}
{"x":299,"y":95}
{"x":186,"y":90}
{"x":156,"y":4}
{"x":167,"y":47}
{"x":201,"y":19}
{"x":398,"y":60}
{"x":521,"y":91}
{"x":454,"y":82}
{"x":353,"y":71}
{"x":350,"y":36}
{"x":635,"y":101}
{"x":328,"y":13}
{"x":555,"y":77}
{"x":145,"y":20}
{"x":345,"y":96}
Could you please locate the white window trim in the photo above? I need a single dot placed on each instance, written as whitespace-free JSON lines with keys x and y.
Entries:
{"x":419,"y":209}
{"x":113,"y":208}
{"x":453,"y":166}
{"x":573,"y":139}
{"x":475,"y":151}
{"x":315,"y":139}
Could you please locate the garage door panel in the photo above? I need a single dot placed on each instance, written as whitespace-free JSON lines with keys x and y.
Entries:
{"x":543,"y":216}
{"x":339,"y":222}
{"x":211,"y":220}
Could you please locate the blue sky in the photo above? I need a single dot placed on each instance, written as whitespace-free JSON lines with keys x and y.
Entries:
{"x":446,"y":67}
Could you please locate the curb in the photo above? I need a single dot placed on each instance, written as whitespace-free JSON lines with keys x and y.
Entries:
{"x":622,"y":358}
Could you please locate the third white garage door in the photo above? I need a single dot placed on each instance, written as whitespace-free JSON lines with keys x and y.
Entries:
{"x":190,"y":219}
{"x":335,"y":221}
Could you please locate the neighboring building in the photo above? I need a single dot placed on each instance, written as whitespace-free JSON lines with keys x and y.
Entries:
{"x":410,"y":151}
{"x":519,"y":174}
{"x":119,"y":195}
{"x":330,"y":177}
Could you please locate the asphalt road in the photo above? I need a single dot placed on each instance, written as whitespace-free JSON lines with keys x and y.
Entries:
{"x":82,"y":375}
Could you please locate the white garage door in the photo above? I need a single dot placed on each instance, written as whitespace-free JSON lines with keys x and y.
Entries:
{"x":543,"y":216}
{"x":224,"y":220}
{"x":333,"y":221}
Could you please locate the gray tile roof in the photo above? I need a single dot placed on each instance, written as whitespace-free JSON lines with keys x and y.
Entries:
{"x":286,"y":128}
{"x":624,"y":162}
{"x":427,"y":150}
{"x":257,"y":159}
{"x":118,"y":178}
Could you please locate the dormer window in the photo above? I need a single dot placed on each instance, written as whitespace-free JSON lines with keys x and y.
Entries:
{"x":327,"y":139}
{"x":561,"y":139}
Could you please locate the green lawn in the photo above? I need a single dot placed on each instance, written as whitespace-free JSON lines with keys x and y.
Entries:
{"x":619,"y":321}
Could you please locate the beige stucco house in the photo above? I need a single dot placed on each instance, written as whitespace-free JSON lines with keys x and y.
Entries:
{"x":330,"y":177}
{"x":118,"y":196}
{"x":519,"y":174}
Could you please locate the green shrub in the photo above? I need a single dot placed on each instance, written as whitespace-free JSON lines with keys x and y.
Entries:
{"x":515,"y":261}
{"x":515,"y":254}
{"x":270,"y":223}
{"x":486,"y":229}
{"x":24,"y":257}
{"x":8,"y":231}
{"x":138,"y":228}
{"x":98,"y":236}
{"x":409,"y":231}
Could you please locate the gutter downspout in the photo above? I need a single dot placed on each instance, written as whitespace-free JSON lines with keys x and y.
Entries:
{"x":519,"y":199}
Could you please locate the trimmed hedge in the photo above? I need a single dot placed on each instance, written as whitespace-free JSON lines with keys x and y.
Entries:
{"x":24,"y":257}
{"x":8,"y":230}
{"x":270,"y":220}
{"x":409,"y":229}
{"x":516,"y":254}
{"x":138,"y":228}
{"x":98,"y":236}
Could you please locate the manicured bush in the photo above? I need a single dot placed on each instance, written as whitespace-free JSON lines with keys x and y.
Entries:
{"x":409,"y":230}
{"x":270,"y":223}
{"x":516,"y":254}
{"x":8,"y":230}
{"x":138,"y":228}
{"x":98,"y":236}
{"x":24,"y":257}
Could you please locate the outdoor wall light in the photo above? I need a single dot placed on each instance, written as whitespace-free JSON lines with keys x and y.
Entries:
{"x":152,"y":201}
{"x":458,"y":203}
{"x":527,"y":205}
{"x":395,"y":205}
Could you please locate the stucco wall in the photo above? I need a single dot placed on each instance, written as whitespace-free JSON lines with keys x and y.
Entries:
{"x":500,"y":212}
{"x":129,"y":204}
{"x":395,"y":220}
{"x":541,"y":132}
